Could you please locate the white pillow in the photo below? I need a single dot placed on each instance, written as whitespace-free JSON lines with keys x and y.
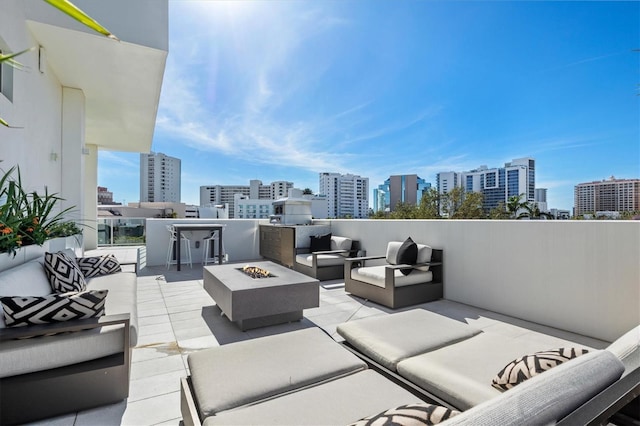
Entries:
{"x":424,"y":256}
{"x":341,"y":243}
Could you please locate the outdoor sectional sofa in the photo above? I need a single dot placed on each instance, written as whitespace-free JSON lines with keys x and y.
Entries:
{"x":62,"y":367}
{"x":306,"y":377}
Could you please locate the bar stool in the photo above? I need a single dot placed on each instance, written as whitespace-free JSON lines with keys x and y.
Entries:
{"x":173,"y":239}
{"x":212,"y":238}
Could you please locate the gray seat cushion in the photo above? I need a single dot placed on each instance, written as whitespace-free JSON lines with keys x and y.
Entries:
{"x":391,"y":338}
{"x":323,"y":259}
{"x":233,"y":375}
{"x":461,"y":373}
{"x":338,"y":402}
{"x":44,"y":353}
{"x":375,"y":275}
{"x":122,"y":298}
{"x":548,"y":397}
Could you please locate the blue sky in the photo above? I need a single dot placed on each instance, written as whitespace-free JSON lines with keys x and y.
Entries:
{"x":284,"y":90}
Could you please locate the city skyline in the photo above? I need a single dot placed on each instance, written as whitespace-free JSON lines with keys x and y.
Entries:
{"x":401,"y":87}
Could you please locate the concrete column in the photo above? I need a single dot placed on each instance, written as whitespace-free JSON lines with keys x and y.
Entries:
{"x":72,"y":161}
{"x":90,"y":197}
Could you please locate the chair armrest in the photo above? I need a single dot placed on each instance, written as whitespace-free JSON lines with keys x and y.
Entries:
{"x":11,"y":333}
{"x":415,"y":265}
{"x":330,"y":252}
{"x":360,"y":259}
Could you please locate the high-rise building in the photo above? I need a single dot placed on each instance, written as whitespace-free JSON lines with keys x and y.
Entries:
{"x":407,"y":189}
{"x":497,"y":185}
{"x":159,"y":178}
{"x":541,"y":199}
{"x":611,"y":195}
{"x":347,"y":195}
{"x":212,"y":195}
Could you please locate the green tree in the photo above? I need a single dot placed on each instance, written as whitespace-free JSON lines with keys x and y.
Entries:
{"x":499,"y":212}
{"x":428,"y":207}
{"x":307,"y":191}
{"x":470,"y":207}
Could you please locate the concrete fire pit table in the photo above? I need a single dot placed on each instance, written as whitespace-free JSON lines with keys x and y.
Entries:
{"x":259,"y":302}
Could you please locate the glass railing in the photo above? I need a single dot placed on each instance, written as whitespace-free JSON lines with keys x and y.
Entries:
{"x":121,"y":231}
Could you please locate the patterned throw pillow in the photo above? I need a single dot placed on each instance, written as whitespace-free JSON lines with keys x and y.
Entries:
{"x":29,"y":310}
{"x":63,"y":273}
{"x":409,"y":415}
{"x":98,"y":265}
{"x":525,"y":367}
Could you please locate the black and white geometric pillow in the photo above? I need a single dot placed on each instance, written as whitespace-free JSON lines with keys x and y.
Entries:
{"x":63,"y":273}
{"x":525,"y":367}
{"x":409,"y":415}
{"x":98,"y":265}
{"x":29,"y":310}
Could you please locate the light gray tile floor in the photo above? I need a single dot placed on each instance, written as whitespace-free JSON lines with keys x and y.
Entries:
{"x":176,"y":317}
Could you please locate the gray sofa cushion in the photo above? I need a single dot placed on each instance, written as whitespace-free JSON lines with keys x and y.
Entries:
{"x":338,"y":402}
{"x":322,"y":259}
{"x":375,"y":275}
{"x":390,"y":339}
{"x":233,"y":375}
{"x":44,"y":353}
{"x":548,"y":397}
{"x":122,"y":298}
{"x":461,"y":373}
{"x":28,"y":279}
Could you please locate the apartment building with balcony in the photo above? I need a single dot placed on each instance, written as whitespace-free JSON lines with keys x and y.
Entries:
{"x":159,"y":178}
{"x":347,"y":195}
{"x":496,"y":184}
{"x":610,"y":195}
{"x":212,"y":195}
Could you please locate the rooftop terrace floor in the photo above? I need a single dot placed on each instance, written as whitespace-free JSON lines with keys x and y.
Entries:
{"x":176,"y":317}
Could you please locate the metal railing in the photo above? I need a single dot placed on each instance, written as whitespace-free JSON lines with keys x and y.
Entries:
{"x":121,"y":231}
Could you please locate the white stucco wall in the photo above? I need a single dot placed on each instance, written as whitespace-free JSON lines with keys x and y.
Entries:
{"x":581,"y":276}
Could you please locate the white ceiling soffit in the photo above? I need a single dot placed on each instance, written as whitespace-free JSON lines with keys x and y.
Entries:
{"x":121,"y":83}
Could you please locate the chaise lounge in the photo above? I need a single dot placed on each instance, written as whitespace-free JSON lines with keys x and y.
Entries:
{"x":308,"y":378}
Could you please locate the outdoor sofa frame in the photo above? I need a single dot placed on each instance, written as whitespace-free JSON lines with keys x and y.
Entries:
{"x":48,"y":393}
{"x":325,"y":272}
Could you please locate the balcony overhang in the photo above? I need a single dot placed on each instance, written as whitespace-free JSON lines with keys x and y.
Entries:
{"x":121,"y":83}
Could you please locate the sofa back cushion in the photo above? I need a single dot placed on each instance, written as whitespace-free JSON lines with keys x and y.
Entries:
{"x":627,"y":349}
{"x":341,"y":243}
{"x":28,"y":279}
{"x":550,"y":396}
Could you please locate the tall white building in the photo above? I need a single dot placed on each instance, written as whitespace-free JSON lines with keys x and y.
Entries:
{"x":347,"y":195}
{"x":497,"y":184}
{"x":159,"y":178}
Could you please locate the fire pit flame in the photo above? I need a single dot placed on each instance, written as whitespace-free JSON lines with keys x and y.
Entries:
{"x":256,"y":272}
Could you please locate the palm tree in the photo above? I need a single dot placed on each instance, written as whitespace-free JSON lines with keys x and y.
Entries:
{"x":516,"y":204}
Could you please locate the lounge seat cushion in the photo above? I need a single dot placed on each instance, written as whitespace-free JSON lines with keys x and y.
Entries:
{"x":337,"y":402}
{"x":28,"y":279}
{"x":44,"y":353}
{"x":547,"y":397}
{"x":392,"y":338}
{"x":122,"y":298}
{"x":461,"y":373}
{"x":233,"y":375}
{"x":322,"y":259}
{"x":375,"y":275}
